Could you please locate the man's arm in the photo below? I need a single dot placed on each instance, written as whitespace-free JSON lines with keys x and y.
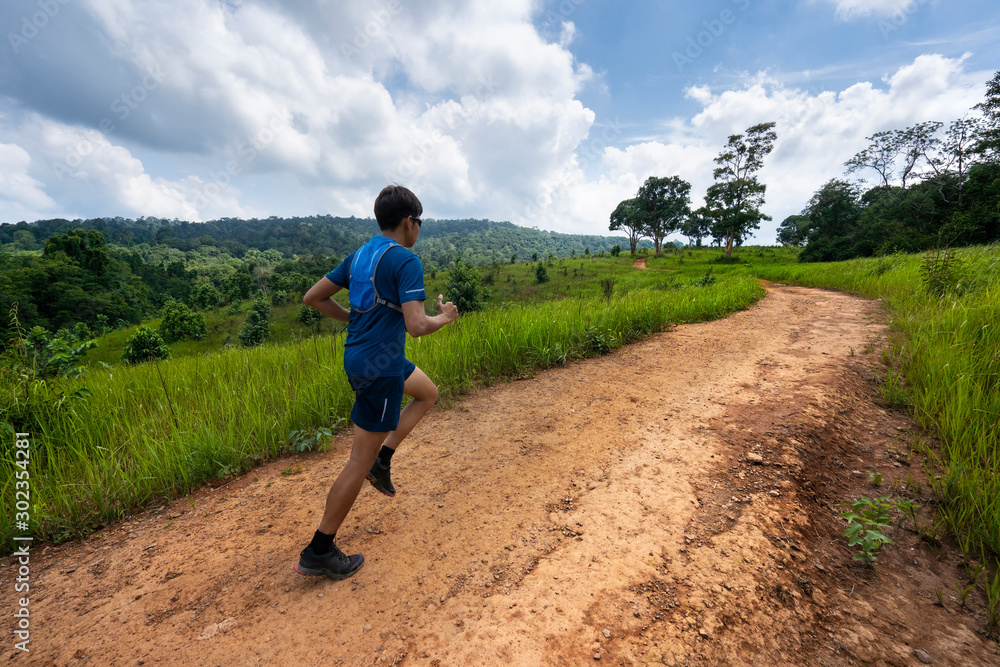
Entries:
{"x":418,"y":323}
{"x":319,"y":295}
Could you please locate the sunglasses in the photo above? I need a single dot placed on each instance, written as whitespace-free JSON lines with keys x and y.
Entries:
{"x":416,"y":220}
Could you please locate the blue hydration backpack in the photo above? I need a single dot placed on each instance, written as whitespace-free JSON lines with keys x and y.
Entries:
{"x":362,"y":292}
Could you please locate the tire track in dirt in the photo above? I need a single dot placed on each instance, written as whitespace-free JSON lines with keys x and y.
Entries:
{"x":665,"y":503}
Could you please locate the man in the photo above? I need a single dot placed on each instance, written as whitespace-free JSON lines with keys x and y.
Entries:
{"x":385,"y":284}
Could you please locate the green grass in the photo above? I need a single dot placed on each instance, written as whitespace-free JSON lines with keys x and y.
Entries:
{"x":223,"y":330}
{"x":944,"y":363}
{"x":137,"y":438}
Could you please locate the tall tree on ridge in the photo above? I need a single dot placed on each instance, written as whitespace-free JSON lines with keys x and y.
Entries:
{"x":666,"y":202}
{"x":629,"y":217}
{"x":734,"y":200}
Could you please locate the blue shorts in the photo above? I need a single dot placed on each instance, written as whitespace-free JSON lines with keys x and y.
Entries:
{"x":377,"y":401}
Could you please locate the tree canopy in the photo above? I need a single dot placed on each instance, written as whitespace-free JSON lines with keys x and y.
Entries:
{"x":665,"y":204}
{"x":630,"y":218}
{"x":734,"y":201}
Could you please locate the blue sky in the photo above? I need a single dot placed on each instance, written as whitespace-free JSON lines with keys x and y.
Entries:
{"x":546,"y":114}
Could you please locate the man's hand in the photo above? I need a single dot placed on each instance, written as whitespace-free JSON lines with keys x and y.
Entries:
{"x":449,"y":310}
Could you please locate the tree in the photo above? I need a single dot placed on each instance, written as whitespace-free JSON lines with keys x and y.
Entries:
{"x":24,"y":239}
{"x":666,"y":203}
{"x":988,"y":145}
{"x":87,"y":249}
{"x":309,"y":316}
{"x":179,"y":323}
{"x":42,"y":356}
{"x":917,"y":143}
{"x":144,"y":345}
{"x":793,"y":230}
{"x":733,"y":202}
{"x":834,"y":212}
{"x":908,"y":147}
{"x":956,"y":154}
{"x":237,"y":287}
{"x":541,"y":274}
{"x":880,"y":155}
{"x":697,"y":226}
{"x":628,"y":217}
{"x":205,"y":296}
{"x":464,"y":289}
{"x":257,"y":326}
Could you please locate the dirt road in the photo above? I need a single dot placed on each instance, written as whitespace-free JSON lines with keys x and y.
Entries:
{"x":667,"y":503}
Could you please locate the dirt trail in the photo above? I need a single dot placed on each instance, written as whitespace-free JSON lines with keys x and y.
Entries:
{"x":640,"y":263}
{"x":667,"y":503}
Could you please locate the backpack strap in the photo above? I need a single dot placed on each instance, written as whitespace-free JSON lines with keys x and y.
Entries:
{"x":378,"y":297}
{"x":379,"y":300}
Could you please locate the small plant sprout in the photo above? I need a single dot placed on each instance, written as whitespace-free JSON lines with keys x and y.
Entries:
{"x":909,"y":508}
{"x":963,"y":592}
{"x":939,"y":594}
{"x":875,"y":478}
{"x":993,"y":605}
{"x":865,"y":525}
{"x":852,"y":351}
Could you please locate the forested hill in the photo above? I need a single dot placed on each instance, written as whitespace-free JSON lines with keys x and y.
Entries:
{"x":441,"y":241}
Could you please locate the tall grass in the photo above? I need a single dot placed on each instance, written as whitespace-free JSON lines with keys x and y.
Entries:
{"x":138,"y":438}
{"x":947,"y":346}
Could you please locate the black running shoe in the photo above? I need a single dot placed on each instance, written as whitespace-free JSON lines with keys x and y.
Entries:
{"x":379,"y":477}
{"x":335,"y":564}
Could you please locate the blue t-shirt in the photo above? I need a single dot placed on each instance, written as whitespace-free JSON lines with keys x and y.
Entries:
{"x":376,"y":340}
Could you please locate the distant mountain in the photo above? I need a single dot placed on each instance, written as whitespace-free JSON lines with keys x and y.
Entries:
{"x":441,"y":241}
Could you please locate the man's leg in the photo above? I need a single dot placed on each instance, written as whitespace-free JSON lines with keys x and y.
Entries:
{"x":424,"y":394}
{"x":322,"y":556}
{"x":345,"y":488}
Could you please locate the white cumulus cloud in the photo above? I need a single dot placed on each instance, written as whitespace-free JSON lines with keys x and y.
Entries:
{"x":851,"y":9}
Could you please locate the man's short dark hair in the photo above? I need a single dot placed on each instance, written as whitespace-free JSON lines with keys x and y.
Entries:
{"x":395,"y":203}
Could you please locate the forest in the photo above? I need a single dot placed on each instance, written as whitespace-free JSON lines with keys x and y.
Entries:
{"x":107,"y":273}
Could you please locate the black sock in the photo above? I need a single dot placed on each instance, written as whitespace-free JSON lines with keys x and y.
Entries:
{"x":322,"y":543}
{"x":385,"y":455}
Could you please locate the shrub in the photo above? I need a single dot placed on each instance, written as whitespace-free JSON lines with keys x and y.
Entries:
{"x":237,"y":287}
{"x":943,"y":272}
{"x":615,"y":250}
{"x":82,"y":332}
{"x":463,"y":288}
{"x":101,"y":325}
{"x":40,"y":356}
{"x":541,"y":274}
{"x":179,"y":323}
{"x":706,"y":280}
{"x":144,"y":345}
{"x":257,"y":327}
{"x":205,"y":296}
{"x":309,"y":315}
